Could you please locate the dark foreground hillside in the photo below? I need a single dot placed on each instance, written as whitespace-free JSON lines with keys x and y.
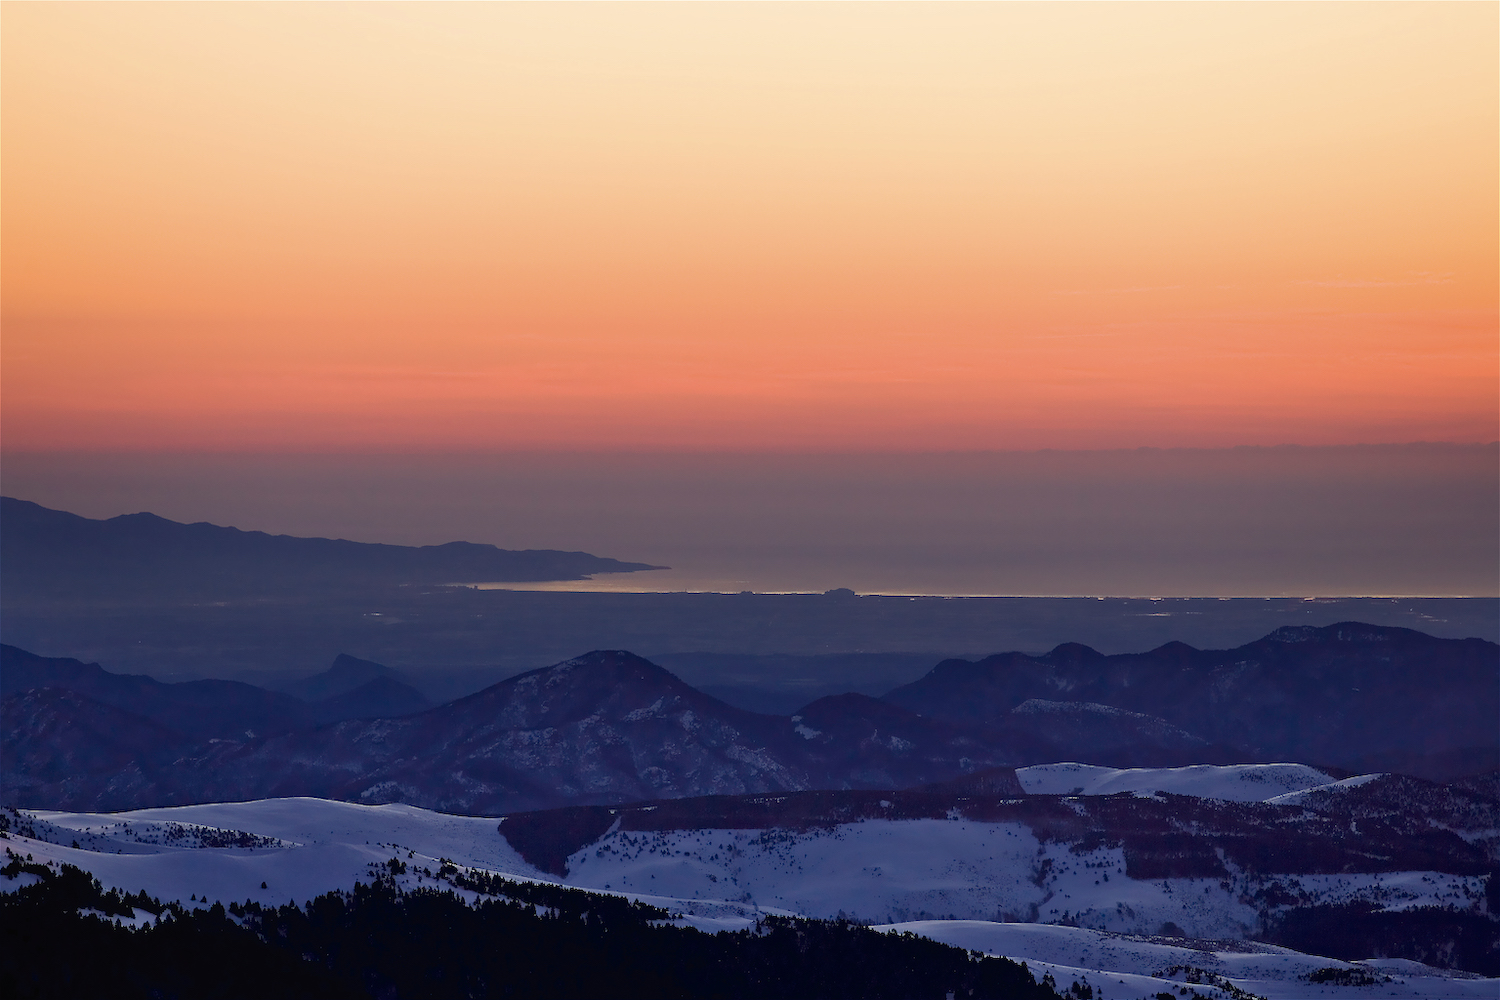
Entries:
{"x":519,"y":940}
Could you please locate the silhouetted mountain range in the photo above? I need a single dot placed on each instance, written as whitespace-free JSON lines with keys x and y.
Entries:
{"x":613,"y":727}
{"x":218,"y":709}
{"x":51,"y":554}
{"x":198,"y":710}
{"x":1343,"y":695}
{"x":604,"y":727}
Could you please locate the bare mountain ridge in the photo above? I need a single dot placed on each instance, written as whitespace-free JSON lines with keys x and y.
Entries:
{"x":1340,"y":695}
{"x":51,"y":554}
{"x":218,"y":709}
{"x":200,"y":710}
{"x":608,"y":726}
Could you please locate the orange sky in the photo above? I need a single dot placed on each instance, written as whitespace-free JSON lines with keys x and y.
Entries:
{"x":329,"y":226}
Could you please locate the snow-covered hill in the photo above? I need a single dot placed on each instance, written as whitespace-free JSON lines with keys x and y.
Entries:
{"x":993,"y":886}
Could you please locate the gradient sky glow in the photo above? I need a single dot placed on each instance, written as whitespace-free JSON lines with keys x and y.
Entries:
{"x":777,"y":227}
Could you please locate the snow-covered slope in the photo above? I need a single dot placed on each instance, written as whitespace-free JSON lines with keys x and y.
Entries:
{"x":1234,"y":782}
{"x":876,"y":870}
{"x":897,"y":870}
{"x":1125,"y":966}
{"x":299,"y":848}
{"x":1298,"y":796}
{"x":986,"y":876}
{"x":275,"y":850}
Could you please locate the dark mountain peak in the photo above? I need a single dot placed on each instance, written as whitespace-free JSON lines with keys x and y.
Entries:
{"x":143,"y":517}
{"x":610,"y":659}
{"x":611,"y":667}
{"x":346,"y":674}
{"x":384,"y":697}
{"x":952,"y":666}
{"x":349,"y":668}
{"x":1175,"y":650}
{"x":610,"y":684}
{"x":1071,"y":654}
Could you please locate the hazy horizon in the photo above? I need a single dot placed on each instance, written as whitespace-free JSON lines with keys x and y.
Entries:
{"x":1380,"y":520}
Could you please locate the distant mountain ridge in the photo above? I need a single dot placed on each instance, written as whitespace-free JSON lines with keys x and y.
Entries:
{"x":613,"y":727}
{"x":1344,"y":695}
{"x":603,"y":727}
{"x":52,"y":554}
{"x":198,"y":710}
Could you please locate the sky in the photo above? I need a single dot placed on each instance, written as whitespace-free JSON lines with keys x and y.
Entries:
{"x":344,"y":228}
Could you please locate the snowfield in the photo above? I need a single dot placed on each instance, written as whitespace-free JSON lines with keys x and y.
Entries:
{"x":1234,"y":782}
{"x":992,"y":887}
{"x":320,"y":846}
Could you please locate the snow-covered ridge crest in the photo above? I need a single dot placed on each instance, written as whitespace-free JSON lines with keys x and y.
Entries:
{"x":1231,"y":782}
{"x":123,"y":836}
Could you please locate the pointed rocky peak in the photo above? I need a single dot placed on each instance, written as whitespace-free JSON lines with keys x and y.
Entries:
{"x":352,"y":668}
{"x":346,"y":674}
